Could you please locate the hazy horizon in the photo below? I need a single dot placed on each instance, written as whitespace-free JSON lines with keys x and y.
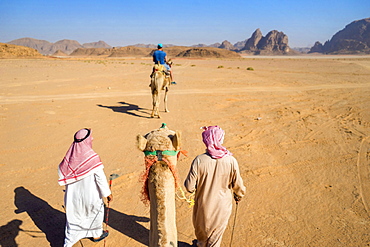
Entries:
{"x":181,"y":23}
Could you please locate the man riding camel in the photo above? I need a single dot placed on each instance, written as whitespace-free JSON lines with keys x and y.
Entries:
{"x":160,"y":57}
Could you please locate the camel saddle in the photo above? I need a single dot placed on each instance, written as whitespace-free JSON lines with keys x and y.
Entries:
{"x":160,"y":67}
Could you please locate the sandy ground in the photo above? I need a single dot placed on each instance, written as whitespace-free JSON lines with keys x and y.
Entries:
{"x":299,"y":128}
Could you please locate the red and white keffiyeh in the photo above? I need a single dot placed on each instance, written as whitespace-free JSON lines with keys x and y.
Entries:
{"x":213,"y":137}
{"x":80,"y":159}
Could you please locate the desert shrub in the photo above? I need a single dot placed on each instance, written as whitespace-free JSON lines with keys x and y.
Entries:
{"x":250,"y":68}
{"x":220,"y":67}
{"x":193,"y":65}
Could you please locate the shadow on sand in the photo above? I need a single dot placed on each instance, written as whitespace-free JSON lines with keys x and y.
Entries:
{"x":129,"y":109}
{"x":9,"y":232}
{"x":49,"y":220}
{"x":52,"y":222}
{"x":129,"y":226}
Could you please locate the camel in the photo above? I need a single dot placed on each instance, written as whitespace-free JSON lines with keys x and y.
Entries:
{"x":160,"y":81}
{"x":161,"y":148}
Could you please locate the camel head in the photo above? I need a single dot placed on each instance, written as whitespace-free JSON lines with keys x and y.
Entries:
{"x":160,"y":146}
{"x":161,"y":139}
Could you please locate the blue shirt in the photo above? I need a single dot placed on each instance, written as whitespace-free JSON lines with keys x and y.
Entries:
{"x":159,"y":56}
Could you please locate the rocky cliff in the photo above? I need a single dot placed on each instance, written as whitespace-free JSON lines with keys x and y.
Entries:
{"x":353,"y":39}
{"x":274,"y":43}
{"x":227,"y":45}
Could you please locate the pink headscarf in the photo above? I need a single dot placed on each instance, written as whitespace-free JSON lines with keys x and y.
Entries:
{"x":213,"y":137}
{"x":79,"y":160}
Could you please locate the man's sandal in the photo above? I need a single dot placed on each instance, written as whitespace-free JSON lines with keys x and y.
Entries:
{"x":103,"y":236}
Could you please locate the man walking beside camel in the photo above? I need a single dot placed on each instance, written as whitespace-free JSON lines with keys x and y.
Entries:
{"x":215,"y":177}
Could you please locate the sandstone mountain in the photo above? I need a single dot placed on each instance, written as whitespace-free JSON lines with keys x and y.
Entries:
{"x":252,"y":42}
{"x":274,"y":43}
{"x":240,"y":45}
{"x":173,"y":51}
{"x":99,"y":44}
{"x":227,"y":45}
{"x":41,"y":46}
{"x":209,"y":52}
{"x":59,"y":53}
{"x":46,"y":48}
{"x":65,"y":45}
{"x":86,"y":52}
{"x":353,"y":39}
{"x":215,"y":45}
{"x":16,"y":51}
{"x":130,"y":51}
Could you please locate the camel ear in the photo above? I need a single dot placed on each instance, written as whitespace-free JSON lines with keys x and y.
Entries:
{"x":141,"y":142}
{"x":176,"y":140}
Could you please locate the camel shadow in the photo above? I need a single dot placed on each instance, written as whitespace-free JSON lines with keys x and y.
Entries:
{"x":49,"y":220}
{"x":9,"y":232}
{"x":128,"y":225}
{"x":129,"y":109}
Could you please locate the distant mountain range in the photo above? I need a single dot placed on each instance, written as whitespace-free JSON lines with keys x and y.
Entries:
{"x":353,"y":39}
{"x":66,"y":46}
{"x":275,"y":43}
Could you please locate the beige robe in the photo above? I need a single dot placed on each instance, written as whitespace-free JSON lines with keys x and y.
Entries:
{"x":215,"y":181}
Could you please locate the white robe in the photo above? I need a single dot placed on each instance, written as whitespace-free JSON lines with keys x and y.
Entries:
{"x":85,"y":207}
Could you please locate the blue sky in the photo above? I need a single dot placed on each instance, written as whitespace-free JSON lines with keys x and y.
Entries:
{"x":123,"y":22}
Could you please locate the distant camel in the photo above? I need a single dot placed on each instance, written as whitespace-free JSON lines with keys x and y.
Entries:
{"x":161,"y":147}
{"x":160,"y":81}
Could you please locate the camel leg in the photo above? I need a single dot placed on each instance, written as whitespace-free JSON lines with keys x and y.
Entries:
{"x":155,"y":111}
{"x":165,"y":100}
{"x":154,"y":98}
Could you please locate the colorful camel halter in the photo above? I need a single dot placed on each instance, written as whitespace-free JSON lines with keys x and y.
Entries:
{"x":160,"y":154}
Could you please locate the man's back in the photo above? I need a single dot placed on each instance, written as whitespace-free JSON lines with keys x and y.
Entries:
{"x":159,"y":56}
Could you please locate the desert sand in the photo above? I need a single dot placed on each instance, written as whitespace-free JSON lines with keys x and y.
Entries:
{"x":298,"y":127}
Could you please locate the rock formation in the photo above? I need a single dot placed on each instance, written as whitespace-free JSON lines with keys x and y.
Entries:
{"x":274,"y":43}
{"x":16,"y":51}
{"x":67,"y":46}
{"x":92,"y":52}
{"x":208,"y":52}
{"x":47,"y":48}
{"x":252,"y":43}
{"x":227,"y":45}
{"x":99,"y":44}
{"x":353,"y":39}
{"x":59,"y":53}
{"x":317,"y":47}
{"x":41,"y":46}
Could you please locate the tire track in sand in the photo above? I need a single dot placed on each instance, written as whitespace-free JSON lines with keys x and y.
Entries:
{"x":34,"y":98}
{"x":363,"y":166}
